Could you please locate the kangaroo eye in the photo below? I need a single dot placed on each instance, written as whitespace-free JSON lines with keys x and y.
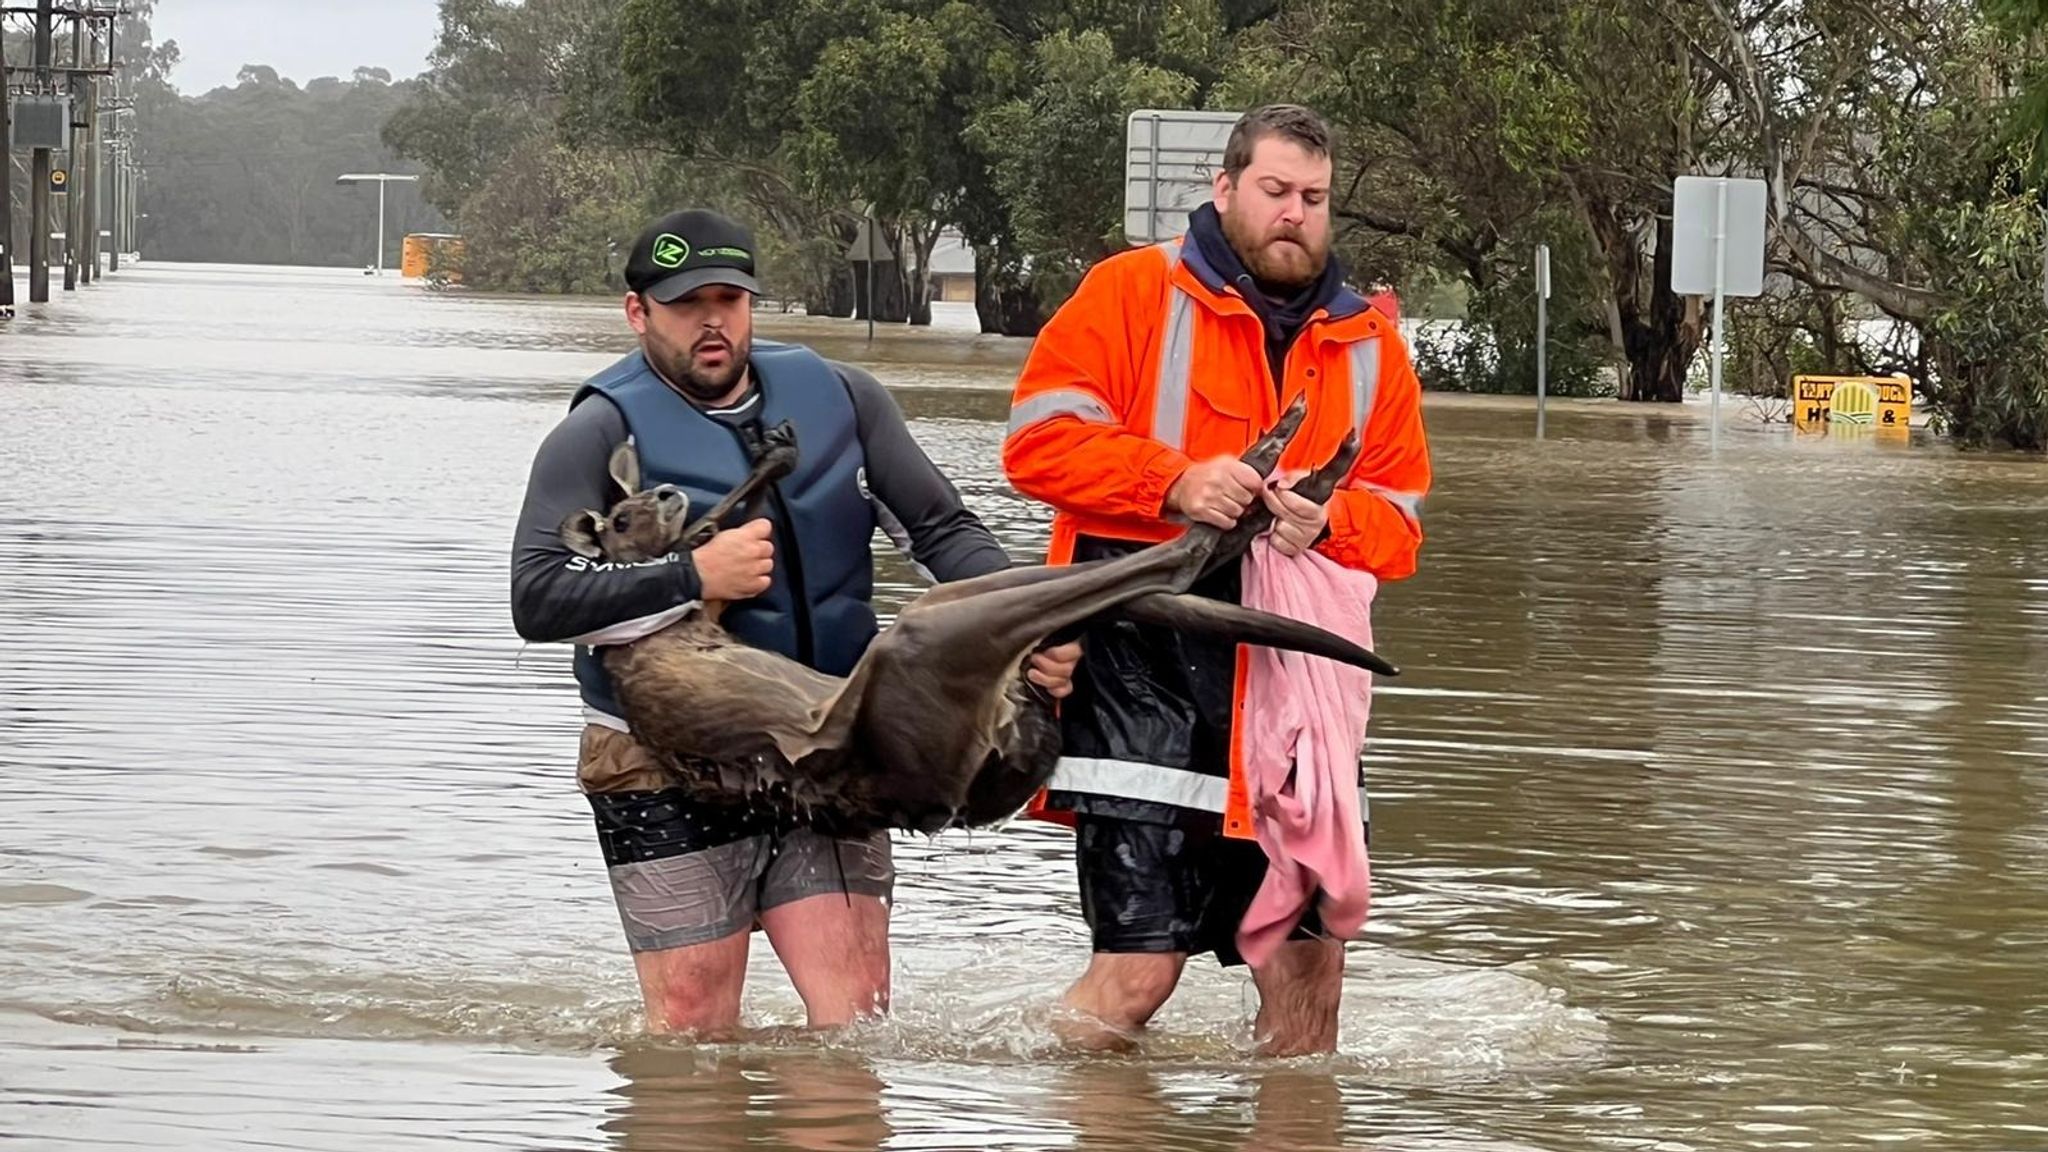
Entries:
{"x":620,"y":521}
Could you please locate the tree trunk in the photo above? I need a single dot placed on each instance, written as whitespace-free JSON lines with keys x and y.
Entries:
{"x":1003,"y":299}
{"x":1662,"y":336}
{"x":888,"y":305}
{"x":923,"y":238}
{"x":836,"y":296}
{"x":1660,"y":330}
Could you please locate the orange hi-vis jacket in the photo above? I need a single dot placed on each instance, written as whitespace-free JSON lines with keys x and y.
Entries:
{"x":1154,"y":364}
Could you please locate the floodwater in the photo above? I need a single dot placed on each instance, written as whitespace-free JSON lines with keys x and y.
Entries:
{"x":1708,"y":815}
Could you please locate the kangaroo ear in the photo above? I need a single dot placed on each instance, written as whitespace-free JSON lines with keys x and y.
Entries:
{"x":626,"y":466}
{"x":579,"y":532}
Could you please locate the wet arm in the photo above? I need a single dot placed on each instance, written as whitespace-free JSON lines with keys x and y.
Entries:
{"x":925,"y":514}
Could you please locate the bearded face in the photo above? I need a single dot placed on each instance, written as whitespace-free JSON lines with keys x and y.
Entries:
{"x":1276,"y":213}
{"x":699,"y":342}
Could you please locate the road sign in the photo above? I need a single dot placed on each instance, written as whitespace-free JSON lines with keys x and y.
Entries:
{"x":1851,"y":403}
{"x":1171,"y":157}
{"x":1717,"y":246}
{"x":1696,"y":220}
{"x":59,"y":179}
{"x":39,"y":122}
{"x":867,"y":246}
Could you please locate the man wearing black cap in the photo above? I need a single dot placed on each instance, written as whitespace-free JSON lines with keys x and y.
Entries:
{"x":691,"y":880}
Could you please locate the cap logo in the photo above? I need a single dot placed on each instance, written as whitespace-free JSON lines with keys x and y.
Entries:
{"x":670,"y":250}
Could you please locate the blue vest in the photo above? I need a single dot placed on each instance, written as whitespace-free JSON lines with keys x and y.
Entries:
{"x":817,"y":609}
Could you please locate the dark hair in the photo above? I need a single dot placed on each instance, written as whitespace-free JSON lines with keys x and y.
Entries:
{"x":1287,"y":121}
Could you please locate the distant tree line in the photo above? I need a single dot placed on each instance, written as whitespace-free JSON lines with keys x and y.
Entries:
{"x":245,"y":174}
{"x":1902,"y":145}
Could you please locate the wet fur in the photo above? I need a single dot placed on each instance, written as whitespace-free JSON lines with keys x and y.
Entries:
{"x":936,"y":726}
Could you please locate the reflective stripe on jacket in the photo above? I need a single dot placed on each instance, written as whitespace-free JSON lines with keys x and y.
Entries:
{"x":1154,"y":363}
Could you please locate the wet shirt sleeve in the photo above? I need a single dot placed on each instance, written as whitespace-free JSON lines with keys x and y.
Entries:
{"x":919,"y":508}
{"x":559,"y":596}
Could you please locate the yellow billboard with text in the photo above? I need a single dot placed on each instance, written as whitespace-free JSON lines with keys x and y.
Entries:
{"x":1852,"y":403}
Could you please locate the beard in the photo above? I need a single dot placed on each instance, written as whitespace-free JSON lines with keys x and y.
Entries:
{"x":707,"y":386}
{"x":1271,"y":261}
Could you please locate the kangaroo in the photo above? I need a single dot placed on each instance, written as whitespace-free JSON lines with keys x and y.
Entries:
{"x":936,"y":726}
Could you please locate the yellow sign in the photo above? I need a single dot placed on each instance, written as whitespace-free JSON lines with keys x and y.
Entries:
{"x":58,"y":179}
{"x":1878,"y":403}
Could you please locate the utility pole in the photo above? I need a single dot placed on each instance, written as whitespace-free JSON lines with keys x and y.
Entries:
{"x":82,"y":166}
{"x":39,"y":176}
{"x":60,"y":111}
{"x":135,"y":180}
{"x":117,"y":200}
{"x":87,"y":178}
{"x":6,"y":184}
{"x":74,"y":204}
{"x":120,"y":157}
{"x":114,"y":202}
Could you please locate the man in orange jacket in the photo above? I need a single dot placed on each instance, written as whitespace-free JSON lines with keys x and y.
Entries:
{"x":1129,"y":416}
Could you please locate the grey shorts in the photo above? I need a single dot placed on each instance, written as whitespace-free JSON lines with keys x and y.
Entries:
{"x":686,"y":874}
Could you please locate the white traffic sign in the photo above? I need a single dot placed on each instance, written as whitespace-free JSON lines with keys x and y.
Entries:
{"x":1171,"y":157}
{"x":1717,"y":247}
{"x":1696,"y":224}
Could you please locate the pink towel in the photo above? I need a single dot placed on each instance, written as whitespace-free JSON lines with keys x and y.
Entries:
{"x":1305,"y":722}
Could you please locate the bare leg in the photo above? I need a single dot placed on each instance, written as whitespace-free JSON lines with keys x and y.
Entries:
{"x":835,"y":948}
{"x":1300,"y":990}
{"x":1116,"y":997}
{"x":694,"y":989}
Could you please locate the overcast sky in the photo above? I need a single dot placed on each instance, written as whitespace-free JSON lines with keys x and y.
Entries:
{"x":302,"y":39}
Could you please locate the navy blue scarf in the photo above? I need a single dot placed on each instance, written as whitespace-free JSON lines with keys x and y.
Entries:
{"x":1283,"y":311}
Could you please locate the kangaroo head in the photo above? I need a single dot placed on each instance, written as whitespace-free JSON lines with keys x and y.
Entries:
{"x":640,"y":526}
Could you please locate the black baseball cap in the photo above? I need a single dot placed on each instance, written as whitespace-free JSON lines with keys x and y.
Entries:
{"x":684,"y":251}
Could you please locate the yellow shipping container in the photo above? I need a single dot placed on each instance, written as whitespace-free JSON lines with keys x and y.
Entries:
{"x":432,"y":253}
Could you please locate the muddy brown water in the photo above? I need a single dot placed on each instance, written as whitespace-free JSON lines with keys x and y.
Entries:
{"x":1708,"y":815}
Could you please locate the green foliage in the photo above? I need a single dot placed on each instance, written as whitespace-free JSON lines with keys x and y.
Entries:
{"x":1494,"y":352}
{"x":1468,"y":133}
{"x":246,"y":174}
{"x":1057,"y":157}
{"x":1990,"y":342}
{"x":1771,"y":339}
{"x":510,"y":122}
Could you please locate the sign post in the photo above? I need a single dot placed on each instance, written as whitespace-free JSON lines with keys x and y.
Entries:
{"x":1542,"y":332}
{"x":1717,"y":248}
{"x":867,"y":249}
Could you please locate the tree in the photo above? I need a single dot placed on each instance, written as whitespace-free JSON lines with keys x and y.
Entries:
{"x":501,"y":121}
{"x":246,"y":174}
{"x":1900,"y":171}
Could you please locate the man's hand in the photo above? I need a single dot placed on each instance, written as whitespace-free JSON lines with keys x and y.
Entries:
{"x":736,"y":563}
{"x":1297,"y":520}
{"x":1053,"y":669}
{"x":1214,"y":492}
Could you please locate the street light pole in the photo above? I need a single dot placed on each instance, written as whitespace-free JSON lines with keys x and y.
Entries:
{"x":381,"y":178}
